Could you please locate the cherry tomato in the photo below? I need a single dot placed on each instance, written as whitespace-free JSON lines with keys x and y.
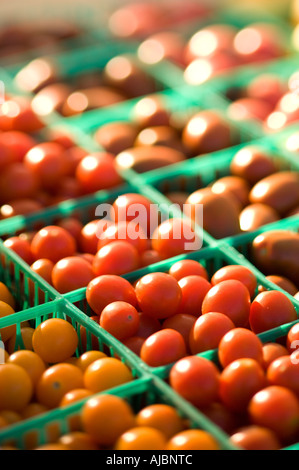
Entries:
{"x":255,"y":438}
{"x":293,"y":339}
{"x":183,"y":323}
{"x":277,"y":409}
{"x":53,"y":243}
{"x":162,"y":348}
{"x":239,"y":381}
{"x":208,"y":331}
{"x":136,"y":207}
{"x":44,"y":268}
{"x":90,"y":235}
{"x":232,"y":299}
{"x":71,"y":225}
{"x":134,"y":343}
{"x":196,"y":379}
{"x":106,"y":289}
{"x":96,"y":172}
{"x":17,"y":182}
{"x":120,"y":319}
{"x":17,"y":145}
{"x":149,"y":257}
{"x":269,"y":310}
{"x":124,"y":231}
{"x":188,"y":267}
{"x":272,"y":351}
{"x":147,"y":325}
{"x":119,"y":257}
{"x":158,"y":295}
{"x":240,"y":343}
{"x":194,"y":290}
{"x":238,"y":273}
{"x":222,"y":417}
{"x":175,"y":237}
{"x":21,"y":247}
{"x":71,"y":273}
{"x":20,"y":207}
{"x":284,"y":372}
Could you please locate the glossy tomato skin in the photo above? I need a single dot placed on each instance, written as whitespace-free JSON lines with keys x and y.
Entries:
{"x":53,"y":243}
{"x":284,"y":372}
{"x":231,"y":298}
{"x":188,"y":267}
{"x":293,"y":339}
{"x":255,"y":438}
{"x":239,"y":273}
{"x":90,"y":234}
{"x":119,"y":257}
{"x":183,"y":323}
{"x":196,"y":379}
{"x":276,"y":408}
{"x":124,"y":231}
{"x":17,"y":182}
{"x":96,"y":172}
{"x":135,"y":207}
{"x":21,"y":247}
{"x":269,"y":310}
{"x":71,"y":273}
{"x":106,"y":289}
{"x":120,"y":319}
{"x":194,"y":289}
{"x":208,"y":331}
{"x":158,"y":295}
{"x":240,"y":343}
{"x":272,"y":351}
{"x":163,"y":347}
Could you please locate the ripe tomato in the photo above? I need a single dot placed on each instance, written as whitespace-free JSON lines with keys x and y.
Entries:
{"x":239,"y":381}
{"x":96,"y":172}
{"x":272,"y":351}
{"x":149,"y":257}
{"x":182,"y":323}
{"x":106,"y":373}
{"x":6,"y":296}
{"x":196,"y":379}
{"x":192,"y":439}
{"x":141,"y":438}
{"x":78,"y":441}
{"x":147,"y":325}
{"x":175,"y":237}
{"x":120,"y":319}
{"x":124,"y":231}
{"x":88,"y":358}
{"x":136,"y":207}
{"x":21,"y":247}
{"x":135,"y":344}
{"x":194,"y":290}
{"x":269,"y":310}
{"x":238,"y":273}
{"x":158,"y":295}
{"x":74,"y":395}
{"x":165,"y":418}
{"x":208,"y":331}
{"x":44,"y":268}
{"x":255,"y":438}
{"x":232,"y":299}
{"x":293,"y":339}
{"x":219,"y":414}
{"x":30,"y":362}
{"x":71,"y":273}
{"x":17,"y":182}
{"x":71,"y":225}
{"x":240,"y":343}
{"x":53,"y":243}
{"x":17,"y":144}
{"x":162,"y":348}
{"x":8,"y":331}
{"x":16,"y":387}
{"x":90,"y":235}
{"x":284,"y":372}
{"x":106,"y":289}
{"x":20,"y":207}
{"x":277,"y":409}
{"x":188,"y":267}
{"x":119,"y":257}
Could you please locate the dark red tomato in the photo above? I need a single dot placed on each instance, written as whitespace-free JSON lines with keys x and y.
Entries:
{"x":196,"y":379}
{"x":90,"y":235}
{"x":238,"y":273}
{"x":277,"y":409}
{"x":269,"y":310}
{"x":188,"y":267}
{"x":194,"y":290}
{"x":74,"y":156}
{"x":120,"y":319}
{"x":222,"y":417}
{"x":53,"y":243}
{"x":293,"y":339}
{"x":20,"y":207}
{"x":47,"y":163}
{"x":175,"y":237}
{"x":71,"y":225}
{"x":232,"y":299}
{"x":134,"y":343}
{"x":17,"y":182}
{"x":272,"y":351}
{"x":162,"y":348}
{"x":5,"y":155}
{"x":158,"y":295}
{"x":68,"y":187}
{"x":104,"y":290}
{"x":183,"y":323}
{"x":285,"y":372}
{"x":96,"y":172}
{"x":17,"y":115}
{"x":149,"y":257}
{"x":17,"y":145}
{"x":208,"y":331}
{"x":255,"y":438}
{"x":239,"y":381}
{"x":147,"y":325}
{"x":240,"y":343}
{"x":21,"y":247}
{"x":119,"y":257}
{"x":126,"y":232}
{"x":44,"y":268}
{"x":71,"y":273}
{"x":138,"y":208}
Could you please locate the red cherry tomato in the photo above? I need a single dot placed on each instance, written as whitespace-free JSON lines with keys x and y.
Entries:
{"x":222,"y":417}
{"x":17,"y":144}
{"x":284,"y":372}
{"x":120,"y":319}
{"x":17,"y":115}
{"x":255,"y":438}
{"x":175,"y":237}
{"x":90,"y":235}
{"x":269,"y":310}
{"x":149,"y":257}
{"x":277,"y":409}
{"x":208,"y":331}
{"x":147,"y":325}
{"x":17,"y":182}
{"x":71,"y":225}
{"x":183,"y":323}
{"x":188,"y":267}
{"x":194,"y":290}
{"x":124,"y":231}
{"x":272,"y":351}
{"x":96,"y":172}
{"x":158,"y":295}
{"x":71,"y":273}
{"x":162,"y":348}
{"x":136,"y":207}
{"x":119,"y":257}
{"x":240,"y":343}
{"x":20,"y":207}
{"x":196,"y":379}
{"x":238,"y":273}
{"x":44,"y":268}
{"x":232,"y":299}
{"x":239,"y":381}
{"x":21,"y":247}
{"x":135,"y":344}
{"x":53,"y":243}
{"x":293,"y":339}
{"x":106,"y":289}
